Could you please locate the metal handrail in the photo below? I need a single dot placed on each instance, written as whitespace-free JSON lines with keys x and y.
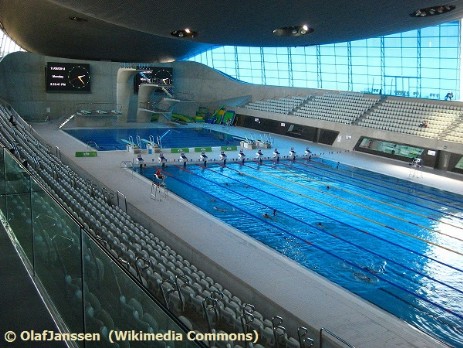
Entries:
{"x":90,"y":142}
{"x":58,"y":152}
{"x":119,"y":193}
{"x":333,"y":335}
{"x":303,"y":337}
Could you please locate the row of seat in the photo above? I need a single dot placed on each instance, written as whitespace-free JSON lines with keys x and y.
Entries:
{"x":407,"y":104}
{"x":383,"y":113}
{"x":336,"y":107}
{"x":170,"y":277}
{"x":417,"y":120}
{"x":320,"y":107}
{"x":332,"y":117}
{"x":279,"y":105}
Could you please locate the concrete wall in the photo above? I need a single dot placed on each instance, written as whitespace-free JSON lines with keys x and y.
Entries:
{"x":126,"y":97}
{"x":349,"y":134}
{"x":22,"y":84}
{"x":206,"y":85}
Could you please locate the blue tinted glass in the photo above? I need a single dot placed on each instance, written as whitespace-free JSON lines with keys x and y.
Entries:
{"x":427,"y":60}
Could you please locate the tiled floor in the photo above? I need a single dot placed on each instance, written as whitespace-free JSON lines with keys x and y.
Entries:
{"x":308,"y":296}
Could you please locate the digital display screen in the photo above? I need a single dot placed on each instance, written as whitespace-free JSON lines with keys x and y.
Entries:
{"x":155,"y":76}
{"x":67,"y":77}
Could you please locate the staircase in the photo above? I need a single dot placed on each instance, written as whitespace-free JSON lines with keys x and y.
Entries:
{"x":368,"y":112}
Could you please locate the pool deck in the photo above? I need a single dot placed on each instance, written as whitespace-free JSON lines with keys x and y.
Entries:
{"x":310,"y":297}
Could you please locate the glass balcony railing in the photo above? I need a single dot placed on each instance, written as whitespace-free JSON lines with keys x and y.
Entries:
{"x":99,"y":304}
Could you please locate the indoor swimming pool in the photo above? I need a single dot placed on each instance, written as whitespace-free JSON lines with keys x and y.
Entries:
{"x":110,"y":139}
{"x":395,"y":243}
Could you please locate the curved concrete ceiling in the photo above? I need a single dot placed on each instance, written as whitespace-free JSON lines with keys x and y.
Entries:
{"x":140,"y":30}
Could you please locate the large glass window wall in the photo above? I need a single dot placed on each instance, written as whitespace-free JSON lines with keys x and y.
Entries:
{"x":7,"y":45}
{"x":423,"y":63}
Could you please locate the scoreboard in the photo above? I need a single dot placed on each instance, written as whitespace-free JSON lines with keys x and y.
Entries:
{"x":67,"y":77}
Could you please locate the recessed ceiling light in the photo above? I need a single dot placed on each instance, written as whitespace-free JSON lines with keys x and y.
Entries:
{"x":77,"y":19}
{"x":295,"y":31}
{"x":432,"y":11}
{"x":184,"y":33}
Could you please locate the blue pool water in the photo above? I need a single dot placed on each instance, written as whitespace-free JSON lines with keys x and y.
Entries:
{"x":106,"y":139}
{"x":397,"y":244}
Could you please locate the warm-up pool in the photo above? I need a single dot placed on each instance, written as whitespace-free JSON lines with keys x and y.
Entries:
{"x":397,"y":244}
{"x":110,"y":139}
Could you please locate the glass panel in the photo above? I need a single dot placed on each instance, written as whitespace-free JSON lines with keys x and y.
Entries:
{"x":2,"y":183}
{"x":376,"y":57}
{"x":18,"y":203}
{"x":402,"y":150}
{"x":58,"y":257}
{"x":114,"y":302}
{"x":16,"y":177}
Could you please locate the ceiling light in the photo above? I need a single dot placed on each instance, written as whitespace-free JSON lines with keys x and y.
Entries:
{"x":432,"y":11}
{"x":77,"y":19}
{"x":184,"y":33}
{"x":295,"y":30}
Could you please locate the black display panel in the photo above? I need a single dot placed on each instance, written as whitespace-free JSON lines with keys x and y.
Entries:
{"x":67,"y":77}
{"x":153,"y":75}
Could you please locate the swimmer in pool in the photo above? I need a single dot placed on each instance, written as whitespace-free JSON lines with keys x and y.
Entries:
{"x":362,"y":277}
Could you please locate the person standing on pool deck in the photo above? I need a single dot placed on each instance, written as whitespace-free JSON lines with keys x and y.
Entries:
{"x":141,"y":161}
{"x":184,"y":159}
{"x":159,"y":177}
{"x":162,"y":159}
{"x":292,"y":154}
{"x":203,"y":158}
{"x":223,"y":157}
{"x":259,"y":155}
{"x":242,"y":156}
{"x":307,"y":152}
{"x":276,"y":155}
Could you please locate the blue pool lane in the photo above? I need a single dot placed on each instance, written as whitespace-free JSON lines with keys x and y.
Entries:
{"x":396,"y":244}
